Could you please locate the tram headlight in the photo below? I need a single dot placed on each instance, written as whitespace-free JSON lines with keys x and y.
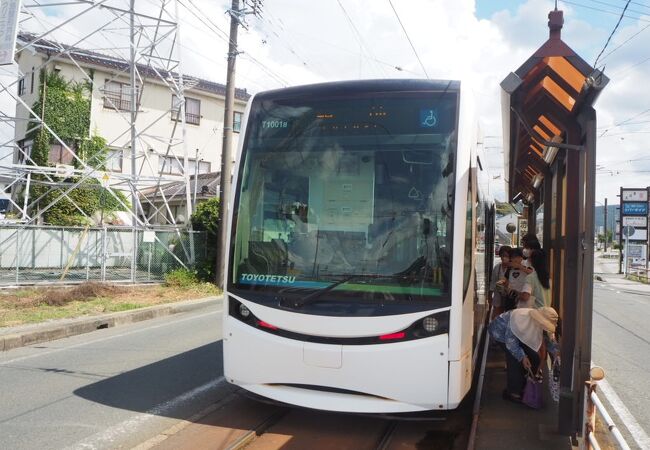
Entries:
{"x":244,"y":312}
{"x":430,"y":324}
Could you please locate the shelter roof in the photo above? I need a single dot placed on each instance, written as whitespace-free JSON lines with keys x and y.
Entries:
{"x":541,"y":102}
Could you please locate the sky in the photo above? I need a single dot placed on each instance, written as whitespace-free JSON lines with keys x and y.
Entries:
{"x":478,"y":41}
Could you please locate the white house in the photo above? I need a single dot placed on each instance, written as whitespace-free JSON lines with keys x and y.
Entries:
{"x":159,"y":146}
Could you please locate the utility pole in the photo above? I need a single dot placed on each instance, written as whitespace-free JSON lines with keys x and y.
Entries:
{"x":605,"y":248}
{"x":237,"y":16}
{"x":133,"y":111}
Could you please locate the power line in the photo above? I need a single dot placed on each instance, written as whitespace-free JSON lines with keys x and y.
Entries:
{"x":223,"y":36}
{"x":618,"y":7}
{"x":625,"y":42}
{"x":358,"y":36}
{"x":409,"y":39}
{"x":643,"y":5}
{"x":644,"y":112}
{"x":343,"y":49}
{"x":581,"y":5}
{"x":612,"y":33}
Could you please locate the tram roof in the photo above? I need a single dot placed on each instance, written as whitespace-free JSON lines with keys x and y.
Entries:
{"x":540,"y":103}
{"x":357,"y":86}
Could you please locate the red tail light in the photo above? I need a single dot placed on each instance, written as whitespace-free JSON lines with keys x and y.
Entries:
{"x":263,"y":324}
{"x":392,"y":336}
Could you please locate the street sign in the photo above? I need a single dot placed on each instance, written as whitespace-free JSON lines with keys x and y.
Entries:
{"x":628,"y":231}
{"x":640,"y":234}
{"x":9,"y":10}
{"x":635,"y":221}
{"x":635,"y":209}
{"x":635,"y":195}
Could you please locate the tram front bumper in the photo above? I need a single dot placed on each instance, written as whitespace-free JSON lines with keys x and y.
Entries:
{"x":384,"y":378}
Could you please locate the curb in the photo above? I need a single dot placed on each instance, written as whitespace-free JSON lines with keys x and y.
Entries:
{"x":50,"y":332}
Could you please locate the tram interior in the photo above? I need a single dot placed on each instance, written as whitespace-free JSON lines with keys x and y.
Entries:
{"x":358,"y":212}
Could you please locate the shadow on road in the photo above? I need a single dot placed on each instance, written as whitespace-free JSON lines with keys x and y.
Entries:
{"x":146,"y":388}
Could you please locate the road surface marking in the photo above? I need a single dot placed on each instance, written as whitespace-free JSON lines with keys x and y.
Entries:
{"x":22,"y":358}
{"x":637,"y":432}
{"x":130,"y":426}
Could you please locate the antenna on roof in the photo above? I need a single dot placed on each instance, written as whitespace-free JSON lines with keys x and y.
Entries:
{"x":556,"y":5}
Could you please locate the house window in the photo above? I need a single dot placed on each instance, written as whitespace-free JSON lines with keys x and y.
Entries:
{"x":25,"y":151}
{"x":117,"y":95}
{"x":114,"y":160}
{"x":192,"y":110}
{"x":236,"y":122}
{"x":21,"y":86}
{"x":170,"y":165}
{"x":59,"y":155}
{"x":203,"y":167}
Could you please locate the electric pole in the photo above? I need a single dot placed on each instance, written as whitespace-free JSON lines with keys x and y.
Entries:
{"x":237,"y":16}
{"x":605,"y":248}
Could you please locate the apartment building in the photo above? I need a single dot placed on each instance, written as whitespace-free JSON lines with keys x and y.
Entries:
{"x":160,"y":148}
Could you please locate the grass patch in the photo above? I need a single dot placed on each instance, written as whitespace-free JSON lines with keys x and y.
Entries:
{"x":36,"y":305}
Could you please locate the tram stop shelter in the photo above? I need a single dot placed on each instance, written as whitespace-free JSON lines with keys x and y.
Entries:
{"x":549,"y":132}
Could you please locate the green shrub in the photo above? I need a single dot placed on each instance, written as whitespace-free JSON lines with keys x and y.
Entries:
{"x":181,"y":278}
{"x":206,"y":218}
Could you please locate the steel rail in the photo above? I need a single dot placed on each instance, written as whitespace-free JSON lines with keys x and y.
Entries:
{"x":258,"y":431}
{"x":387,"y":435}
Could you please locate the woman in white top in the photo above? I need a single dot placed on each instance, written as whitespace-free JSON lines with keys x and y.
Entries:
{"x":537,"y":287}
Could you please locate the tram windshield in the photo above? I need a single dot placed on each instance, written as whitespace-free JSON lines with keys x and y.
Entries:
{"x":344,"y":205}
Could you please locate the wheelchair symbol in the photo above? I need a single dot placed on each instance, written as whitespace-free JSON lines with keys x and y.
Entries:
{"x":428,"y":118}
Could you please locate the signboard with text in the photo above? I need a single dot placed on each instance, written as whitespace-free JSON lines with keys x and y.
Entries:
{"x":523,"y":229}
{"x":635,"y":221}
{"x":635,"y":195}
{"x":9,"y":10}
{"x":635,"y":209}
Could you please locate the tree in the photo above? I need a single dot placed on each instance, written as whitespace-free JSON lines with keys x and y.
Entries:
{"x":206,"y":218}
{"x":66,"y":110}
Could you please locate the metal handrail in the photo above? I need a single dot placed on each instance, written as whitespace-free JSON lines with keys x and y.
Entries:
{"x":593,"y":404}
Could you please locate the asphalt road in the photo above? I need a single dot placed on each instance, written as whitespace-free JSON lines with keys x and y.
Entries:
{"x":118,"y":387}
{"x":112,"y":388}
{"x":621,"y":345}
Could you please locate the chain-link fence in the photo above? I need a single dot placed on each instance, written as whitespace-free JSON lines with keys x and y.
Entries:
{"x":45,"y":254}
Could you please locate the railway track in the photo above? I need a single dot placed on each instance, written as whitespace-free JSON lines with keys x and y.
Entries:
{"x":242,"y":423}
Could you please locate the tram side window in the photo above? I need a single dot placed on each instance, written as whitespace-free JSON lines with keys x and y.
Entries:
{"x":469,"y":248}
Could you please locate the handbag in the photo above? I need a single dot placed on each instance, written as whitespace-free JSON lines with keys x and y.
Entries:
{"x":554,"y":380}
{"x":533,"y":391}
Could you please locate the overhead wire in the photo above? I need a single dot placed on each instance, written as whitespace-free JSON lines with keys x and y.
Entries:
{"x":343,"y":49}
{"x":358,"y":36}
{"x":619,"y":7}
{"x":409,"y":39}
{"x":642,"y":113}
{"x":582,"y":5}
{"x":595,"y":65}
{"x":225,"y":37}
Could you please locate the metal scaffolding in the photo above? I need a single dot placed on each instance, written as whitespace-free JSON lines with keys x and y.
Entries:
{"x":144,"y":43}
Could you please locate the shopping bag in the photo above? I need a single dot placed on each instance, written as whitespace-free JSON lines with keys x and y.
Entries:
{"x":554,"y":380}
{"x":533,"y":391}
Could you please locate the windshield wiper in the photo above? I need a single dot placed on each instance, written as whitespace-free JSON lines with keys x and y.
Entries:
{"x":315,"y":296}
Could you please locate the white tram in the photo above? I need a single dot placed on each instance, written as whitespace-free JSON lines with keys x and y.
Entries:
{"x":357,"y":254}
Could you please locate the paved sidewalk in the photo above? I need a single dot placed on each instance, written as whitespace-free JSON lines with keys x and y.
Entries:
{"x":21,"y":336}
{"x":606,"y":270}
